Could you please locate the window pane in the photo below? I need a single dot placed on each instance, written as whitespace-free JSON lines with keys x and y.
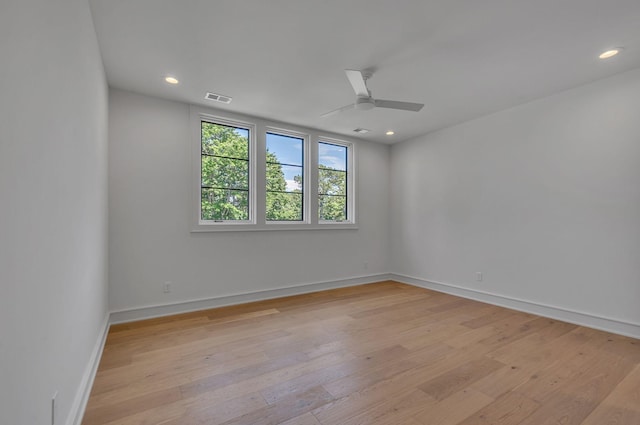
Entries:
{"x":284,"y":149}
{"x":284,"y":179}
{"x":225,"y":173}
{"x":223,"y":140}
{"x":224,"y":204}
{"x":332,"y":156}
{"x":284,"y":206}
{"x":332,"y":208}
{"x":332,"y":182}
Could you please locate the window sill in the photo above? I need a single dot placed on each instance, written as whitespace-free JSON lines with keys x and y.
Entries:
{"x":229,"y":227}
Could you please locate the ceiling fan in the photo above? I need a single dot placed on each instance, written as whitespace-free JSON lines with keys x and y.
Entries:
{"x":364,"y":101}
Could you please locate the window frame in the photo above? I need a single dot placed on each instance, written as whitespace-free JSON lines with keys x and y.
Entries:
{"x":258,"y":129}
{"x":197,"y":161}
{"x":350,"y":185}
{"x":305,"y":173}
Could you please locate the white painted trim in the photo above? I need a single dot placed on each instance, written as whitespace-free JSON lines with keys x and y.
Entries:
{"x":197,"y":118}
{"x":306,"y":163}
{"x":275,"y":225}
{"x":149,"y":312}
{"x":352,"y":180}
{"x":258,"y":128}
{"x":82,"y":396}
{"x":608,"y":324}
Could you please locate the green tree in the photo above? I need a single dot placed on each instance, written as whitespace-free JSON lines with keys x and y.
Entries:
{"x":225,"y":181}
{"x":225,"y":173}
{"x":282,"y":205}
{"x":225,"y":178}
{"x":332,"y":194}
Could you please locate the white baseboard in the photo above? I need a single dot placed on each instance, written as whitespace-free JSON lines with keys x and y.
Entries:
{"x":82,"y":397}
{"x":149,"y":312}
{"x":566,"y":315}
{"x":608,"y":324}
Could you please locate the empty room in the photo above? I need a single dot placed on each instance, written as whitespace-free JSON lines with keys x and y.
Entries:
{"x":319,"y":212}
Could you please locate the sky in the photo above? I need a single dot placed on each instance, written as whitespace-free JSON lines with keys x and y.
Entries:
{"x":289,"y":150}
{"x":333,"y":156}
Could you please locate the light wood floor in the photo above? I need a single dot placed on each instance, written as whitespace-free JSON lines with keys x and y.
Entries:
{"x":384,"y":353}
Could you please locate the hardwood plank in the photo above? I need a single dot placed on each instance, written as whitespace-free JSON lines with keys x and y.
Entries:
{"x":371,"y":376}
{"x":509,"y":409}
{"x":390,"y":412}
{"x":501,"y":381}
{"x":104,"y":414}
{"x":417,"y":304}
{"x":166,"y":374}
{"x":453,"y":409}
{"x":622,"y":406}
{"x":213,"y":382}
{"x":306,"y":419}
{"x":332,"y":373}
{"x":359,"y":402}
{"x":461,"y":377}
{"x":574,"y":399}
{"x":375,"y":389}
{"x":492,"y":315}
{"x":377,"y":354}
{"x":238,"y":387}
{"x":219,"y":413}
{"x":469,"y":337}
{"x":284,"y":409}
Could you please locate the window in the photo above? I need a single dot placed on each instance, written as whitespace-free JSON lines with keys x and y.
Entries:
{"x":284,"y":177}
{"x":225,"y":172}
{"x":332,"y":182}
{"x":256,"y":177}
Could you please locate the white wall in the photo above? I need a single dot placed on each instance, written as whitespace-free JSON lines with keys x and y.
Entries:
{"x":544,"y":199}
{"x":149,"y":213}
{"x":53,"y":207}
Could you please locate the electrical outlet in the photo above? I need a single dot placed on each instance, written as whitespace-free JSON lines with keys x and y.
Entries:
{"x":53,"y":408}
{"x":365,"y":265}
{"x":479,"y":276}
{"x":166,"y":287}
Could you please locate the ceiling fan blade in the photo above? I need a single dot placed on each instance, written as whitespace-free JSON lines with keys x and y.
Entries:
{"x":357,"y":82}
{"x":336,"y":111}
{"x":405,"y":106}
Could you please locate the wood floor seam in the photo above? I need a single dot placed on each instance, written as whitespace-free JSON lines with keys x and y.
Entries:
{"x":377,"y":354}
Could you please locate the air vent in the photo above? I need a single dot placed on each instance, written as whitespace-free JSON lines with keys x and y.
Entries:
{"x":218,"y":97}
{"x":361,"y":130}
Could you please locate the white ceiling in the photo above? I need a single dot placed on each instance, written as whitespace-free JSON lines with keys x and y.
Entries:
{"x":284,"y":59}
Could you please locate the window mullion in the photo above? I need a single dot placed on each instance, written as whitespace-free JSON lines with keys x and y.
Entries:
{"x":335,"y":160}
{"x":312,"y":184}
{"x":244,"y":203}
{"x":286,"y":155}
{"x":260,"y":172}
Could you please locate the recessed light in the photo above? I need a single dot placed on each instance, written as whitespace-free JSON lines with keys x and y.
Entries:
{"x":610,"y":53}
{"x":171,"y":80}
{"x":390,"y":133}
{"x":361,"y":130}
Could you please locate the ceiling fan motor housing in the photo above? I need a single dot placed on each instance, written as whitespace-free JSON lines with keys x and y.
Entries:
{"x":365,"y":103}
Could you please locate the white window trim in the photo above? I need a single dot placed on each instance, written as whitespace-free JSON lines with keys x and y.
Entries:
{"x":257,"y":176}
{"x":197,"y":171}
{"x":306,"y":189}
{"x":351,"y":181}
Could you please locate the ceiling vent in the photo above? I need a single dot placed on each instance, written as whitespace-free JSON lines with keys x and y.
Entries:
{"x":361,"y":130}
{"x":218,"y":97}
